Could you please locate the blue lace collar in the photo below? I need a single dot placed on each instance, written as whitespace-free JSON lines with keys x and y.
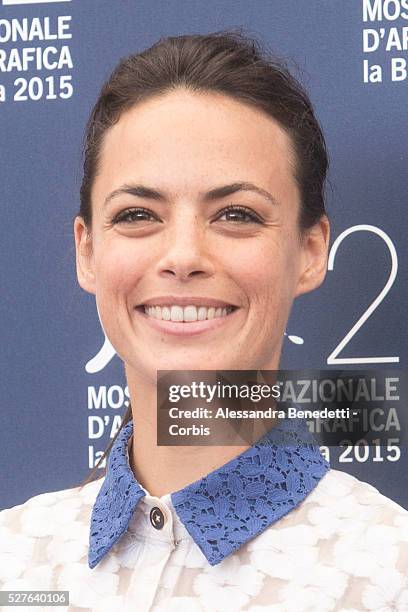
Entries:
{"x":222,"y":510}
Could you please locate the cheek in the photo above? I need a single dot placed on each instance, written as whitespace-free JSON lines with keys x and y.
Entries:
{"x":118,"y":270}
{"x":266,"y":272}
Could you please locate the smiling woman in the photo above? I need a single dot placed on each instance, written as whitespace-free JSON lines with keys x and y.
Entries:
{"x":202,"y":218}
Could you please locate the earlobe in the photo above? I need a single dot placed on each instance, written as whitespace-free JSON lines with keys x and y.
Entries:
{"x":84,"y":256}
{"x":315,"y":247}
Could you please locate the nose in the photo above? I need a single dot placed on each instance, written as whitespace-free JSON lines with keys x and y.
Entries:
{"x":185,"y":252}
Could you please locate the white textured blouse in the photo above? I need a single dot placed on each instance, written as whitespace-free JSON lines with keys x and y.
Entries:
{"x":273,"y":530}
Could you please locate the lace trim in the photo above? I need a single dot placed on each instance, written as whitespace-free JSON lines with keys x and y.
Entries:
{"x":238,"y":501}
{"x":224,"y":509}
{"x":116,"y":501}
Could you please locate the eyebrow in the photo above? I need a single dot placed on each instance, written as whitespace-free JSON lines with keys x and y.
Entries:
{"x":217,"y":193}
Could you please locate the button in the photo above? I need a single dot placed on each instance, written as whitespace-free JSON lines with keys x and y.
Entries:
{"x":157,"y":518}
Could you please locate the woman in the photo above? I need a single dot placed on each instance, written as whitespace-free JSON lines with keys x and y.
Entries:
{"x":202,"y":218}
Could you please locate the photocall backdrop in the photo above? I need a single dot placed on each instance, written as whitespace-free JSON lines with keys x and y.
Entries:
{"x":62,"y":393}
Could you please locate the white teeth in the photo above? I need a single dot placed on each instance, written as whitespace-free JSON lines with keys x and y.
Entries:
{"x":202,"y":313}
{"x":188,"y":313}
{"x":165,"y":311}
{"x":176,"y":313}
{"x":211,"y":313}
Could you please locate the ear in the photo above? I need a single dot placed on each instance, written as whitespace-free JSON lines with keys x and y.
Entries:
{"x":315,"y":247}
{"x":84,"y":256}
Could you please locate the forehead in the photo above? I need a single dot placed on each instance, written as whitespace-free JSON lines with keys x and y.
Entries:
{"x":188,"y":140}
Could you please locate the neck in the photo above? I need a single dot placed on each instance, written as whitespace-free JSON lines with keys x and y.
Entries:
{"x":165,"y":469}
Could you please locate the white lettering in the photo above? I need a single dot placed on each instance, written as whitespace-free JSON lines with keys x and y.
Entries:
{"x":95,"y":427}
{"x":371,"y":40}
{"x":117,"y":422}
{"x":3,"y":57}
{"x":5,"y":30}
{"x":36,"y":58}
{"x":398,"y":69}
{"x":64,"y":26}
{"x":372,"y":12}
{"x":389,"y":387}
{"x":392,"y":9}
{"x":118,"y":391}
{"x":393,"y":420}
{"x":372,"y":74}
{"x":47,"y":64}
{"x":35,"y":29}
{"x":397,"y":41}
{"x":93,"y":458}
{"x":377,"y":10}
{"x":96,"y":399}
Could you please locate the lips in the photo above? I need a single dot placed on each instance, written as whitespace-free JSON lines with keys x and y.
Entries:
{"x":185,"y":309}
{"x":185,"y":315}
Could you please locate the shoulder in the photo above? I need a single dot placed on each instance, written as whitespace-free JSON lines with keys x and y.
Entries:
{"x":346,"y":540}
{"x":60,"y":506}
{"x":45,"y":530}
{"x":340,"y":515}
{"x":342,"y":504}
{"x":340,"y":490}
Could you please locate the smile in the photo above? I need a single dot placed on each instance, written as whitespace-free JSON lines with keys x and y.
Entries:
{"x":183,"y":316}
{"x":186,"y":314}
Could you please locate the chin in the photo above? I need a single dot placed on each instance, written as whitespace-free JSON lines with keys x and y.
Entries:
{"x":184,"y":363}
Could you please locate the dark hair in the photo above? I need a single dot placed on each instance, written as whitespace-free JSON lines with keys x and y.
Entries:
{"x":225,"y":62}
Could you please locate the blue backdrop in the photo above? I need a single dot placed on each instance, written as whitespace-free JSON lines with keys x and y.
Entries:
{"x":54,"y":57}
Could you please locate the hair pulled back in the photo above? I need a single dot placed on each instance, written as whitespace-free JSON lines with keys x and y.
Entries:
{"x":227,"y":63}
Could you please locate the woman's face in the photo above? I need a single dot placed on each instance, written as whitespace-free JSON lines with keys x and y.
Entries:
{"x":195,"y":211}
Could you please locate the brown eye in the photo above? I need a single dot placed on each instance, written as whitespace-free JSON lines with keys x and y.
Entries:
{"x":239,"y":214}
{"x":134,"y":214}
